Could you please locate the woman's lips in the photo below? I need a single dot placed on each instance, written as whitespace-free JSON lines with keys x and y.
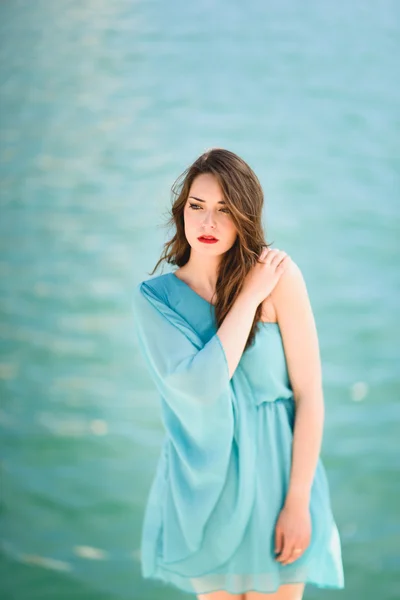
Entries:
{"x":206,"y":240}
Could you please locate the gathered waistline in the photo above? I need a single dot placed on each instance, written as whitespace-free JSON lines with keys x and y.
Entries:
{"x":289,"y":401}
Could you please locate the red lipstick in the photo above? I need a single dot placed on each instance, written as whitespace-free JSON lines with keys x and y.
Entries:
{"x":207,"y":239}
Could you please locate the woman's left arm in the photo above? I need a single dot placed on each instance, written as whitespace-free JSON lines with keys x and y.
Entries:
{"x":300,"y":341}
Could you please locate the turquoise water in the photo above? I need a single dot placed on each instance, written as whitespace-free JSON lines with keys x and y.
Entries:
{"x":102,"y":105}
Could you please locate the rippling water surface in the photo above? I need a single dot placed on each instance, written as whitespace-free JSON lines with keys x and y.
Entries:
{"x":103,"y":104}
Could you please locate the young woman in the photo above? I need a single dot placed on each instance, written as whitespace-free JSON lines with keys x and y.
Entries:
{"x":239,"y":506}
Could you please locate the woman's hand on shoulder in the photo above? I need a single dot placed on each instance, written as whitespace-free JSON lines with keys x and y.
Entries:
{"x":265,"y":274}
{"x":290,"y":295}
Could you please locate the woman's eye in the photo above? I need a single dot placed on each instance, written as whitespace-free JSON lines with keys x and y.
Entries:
{"x":196,"y":206}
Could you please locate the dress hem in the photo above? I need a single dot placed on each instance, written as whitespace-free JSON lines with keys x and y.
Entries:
{"x":313,"y":582}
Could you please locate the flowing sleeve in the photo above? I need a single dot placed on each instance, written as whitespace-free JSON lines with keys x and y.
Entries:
{"x":193,"y":380}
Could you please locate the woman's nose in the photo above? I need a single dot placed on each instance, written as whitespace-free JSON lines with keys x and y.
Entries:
{"x":209,"y":219}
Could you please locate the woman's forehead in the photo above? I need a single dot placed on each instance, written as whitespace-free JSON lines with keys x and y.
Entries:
{"x":205,"y":188}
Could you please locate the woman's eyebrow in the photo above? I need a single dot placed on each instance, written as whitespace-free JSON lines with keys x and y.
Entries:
{"x":200,"y":200}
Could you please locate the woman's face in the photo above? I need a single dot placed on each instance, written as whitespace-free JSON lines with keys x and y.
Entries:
{"x":206,"y":214}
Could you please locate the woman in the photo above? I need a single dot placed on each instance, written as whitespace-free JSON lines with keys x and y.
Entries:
{"x":239,"y":506}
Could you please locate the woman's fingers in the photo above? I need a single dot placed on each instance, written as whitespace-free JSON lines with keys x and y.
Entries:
{"x":272,"y":255}
{"x":278,"y":540}
{"x":277,"y":258}
{"x":291,"y":551}
{"x":294,"y":556}
{"x":288,"y":547}
{"x":284,"y":263}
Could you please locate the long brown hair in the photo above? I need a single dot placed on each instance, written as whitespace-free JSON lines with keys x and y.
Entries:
{"x":245,"y":198}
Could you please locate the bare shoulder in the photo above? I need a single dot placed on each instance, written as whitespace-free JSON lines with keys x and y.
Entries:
{"x":284,"y":290}
{"x":290,"y":290}
{"x":299,"y":333}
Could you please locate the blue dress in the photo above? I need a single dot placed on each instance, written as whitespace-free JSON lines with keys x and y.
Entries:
{"x":224,"y":466}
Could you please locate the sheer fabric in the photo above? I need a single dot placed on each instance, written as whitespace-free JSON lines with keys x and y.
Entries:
{"x":224,"y":465}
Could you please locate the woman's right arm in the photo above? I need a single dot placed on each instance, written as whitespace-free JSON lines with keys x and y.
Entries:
{"x":259,"y":283}
{"x":182,"y":367}
{"x":235,"y":328}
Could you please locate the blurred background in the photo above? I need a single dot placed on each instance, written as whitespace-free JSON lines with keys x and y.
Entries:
{"x":103,"y":104}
